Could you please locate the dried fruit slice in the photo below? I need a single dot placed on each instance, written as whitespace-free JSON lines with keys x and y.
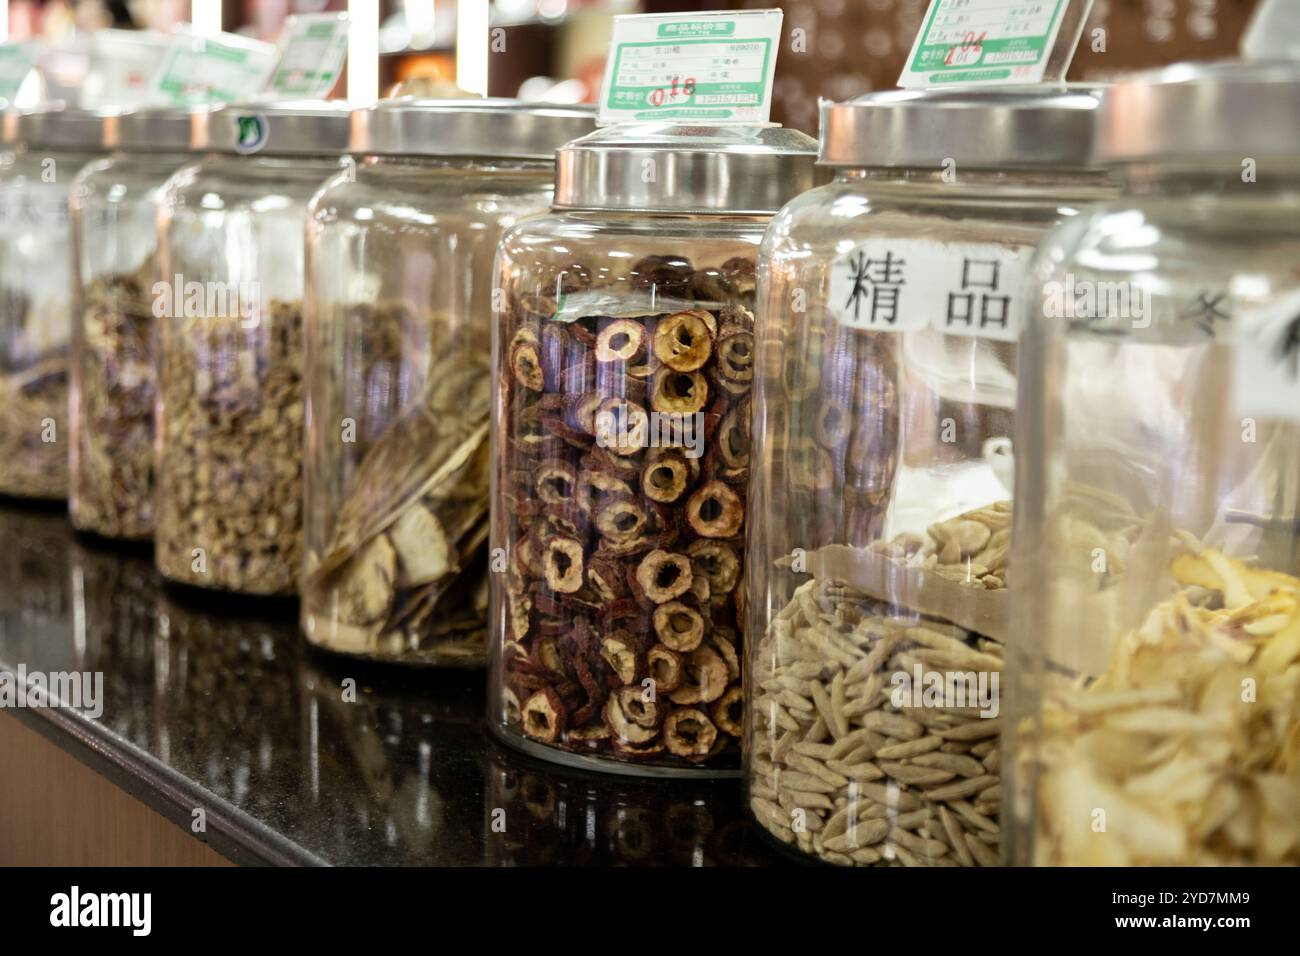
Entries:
{"x":689,"y":733}
{"x":365,"y":586}
{"x":715,"y":511}
{"x":424,"y":553}
{"x":683,"y":341}
{"x":663,"y":576}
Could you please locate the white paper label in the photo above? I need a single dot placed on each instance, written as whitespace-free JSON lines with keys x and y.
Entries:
{"x":707,"y":67}
{"x":312,"y":50}
{"x":907,"y":285}
{"x":994,"y":42}
{"x":213,"y":69}
{"x":16,"y":60}
{"x":1266,"y":382}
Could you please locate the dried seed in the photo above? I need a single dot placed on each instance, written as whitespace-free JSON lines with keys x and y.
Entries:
{"x":961,"y":788}
{"x":910,"y":748}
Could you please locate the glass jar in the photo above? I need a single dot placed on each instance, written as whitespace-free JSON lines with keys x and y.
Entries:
{"x":50,"y":145}
{"x":884,"y":400}
{"x":114,"y":253}
{"x":622,"y":368}
{"x":230,"y":405}
{"x":399,"y":342}
{"x":1155,"y":682}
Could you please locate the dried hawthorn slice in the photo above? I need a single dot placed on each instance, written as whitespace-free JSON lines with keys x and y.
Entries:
{"x":715,"y":511}
{"x":621,"y":519}
{"x":736,"y":356}
{"x":739,"y":276}
{"x":704,"y":677}
{"x":678,"y":626}
{"x":544,"y":716}
{"x":580,"y":412}
{"x":622,"y":340}
{"x":668,"y":275}
{"x":682,"y":393}
{"x":718,"y":561}
{"x":619,"y":652}
{"x":562,"y":564}
{"x":622,"y":427}
{"x":642,"y":712}
{"x":722,"y":639}
{"x":625,"y":730}
{"x":663,"y":575}
{"x":664,"y":666}
{"x":638,"y":752}
{"x":606,"y":579}
{"x":689,"y":733}
{"x":732,"y":440}
{"x":526,"y":365}
{"x":664,"y":478}
{"x":510,"y":707}
{"x":683,"y":341}
{"x":707,"y":285}
{"x":729,"y":712}
{"x":536,"y":307}
{"x":556,"y":482}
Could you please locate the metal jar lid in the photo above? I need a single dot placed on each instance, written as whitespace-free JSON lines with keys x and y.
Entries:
{"x":55,"y":127}
{"x":155,"y":129}
{"x":1004,"y":128}
{"x":1203,"y":110}
{"x":664,"y":167}
{"x":298,"y":128}
{"x":505,"y":128}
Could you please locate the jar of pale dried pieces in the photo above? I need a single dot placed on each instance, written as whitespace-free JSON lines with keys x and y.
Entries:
{"x":399,"y":343}
{"x":114,"y":261}
{"x":230,"y":420}
{"x":623,"y":360}
{"x":1155,"y":684}
{"x":44,"y":150}
{"x":889,"y":306}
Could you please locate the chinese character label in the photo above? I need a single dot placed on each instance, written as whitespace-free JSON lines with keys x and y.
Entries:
{"x":1266,"y":374}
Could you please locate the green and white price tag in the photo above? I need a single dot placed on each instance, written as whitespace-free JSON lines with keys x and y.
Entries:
{"x":994,"y":42}
{"x":16,"y":61}
{"x":213,"y":69}
{"x":312,"y":50}
{"x":710,"y":67}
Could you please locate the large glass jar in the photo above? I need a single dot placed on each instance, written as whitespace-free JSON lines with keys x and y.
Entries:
{"x":623,"y":359}
{"x":114,"y":259}
{"x":399,"y":339}
{"x":49,"y":147}
{"x":884,"y":399}
{"x":1156,"y":668}
{"x":230,"y":404}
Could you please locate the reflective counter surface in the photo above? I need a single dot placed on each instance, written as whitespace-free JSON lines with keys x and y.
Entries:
{"x":294,"y":756}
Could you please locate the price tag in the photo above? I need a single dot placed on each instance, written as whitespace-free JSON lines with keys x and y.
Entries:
{"x":909,"y":285}
{"x":312,"y":50}
{"x":1266,"y":380}
{"x":994,"y":42}
{"x":16,"y":60}
{"x":213,"y":69}
{"x":714,"y":67}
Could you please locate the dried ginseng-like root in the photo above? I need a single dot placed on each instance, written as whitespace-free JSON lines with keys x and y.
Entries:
{"x":1190,"y":741}
{"x":715,"y":511}
{"x":620,"y":340}
{"x":683,"y":341}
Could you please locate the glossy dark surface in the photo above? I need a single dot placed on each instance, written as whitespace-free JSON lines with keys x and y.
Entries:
{"x":214,"y":703}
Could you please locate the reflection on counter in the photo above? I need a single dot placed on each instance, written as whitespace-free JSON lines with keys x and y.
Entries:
{"x":351,"y":762}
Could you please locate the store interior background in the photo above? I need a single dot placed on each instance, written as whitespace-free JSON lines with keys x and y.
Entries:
{"x":556,"y":48}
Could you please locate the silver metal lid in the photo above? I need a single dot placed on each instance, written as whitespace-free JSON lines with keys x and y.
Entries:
{"x":1007,"y":127}
{"x":155,"y":129}
{"x":665,"y":167}
{"x":1203,"y":110}
{"x":513,"y":129}
{"x":55,"y":127}
{"x":297,"y":128}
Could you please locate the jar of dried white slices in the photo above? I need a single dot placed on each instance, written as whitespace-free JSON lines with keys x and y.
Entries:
{"x":1154,"y":685}
{"x":885,"y":392}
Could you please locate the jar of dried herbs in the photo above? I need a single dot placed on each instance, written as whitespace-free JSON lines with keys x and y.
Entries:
{"x":114,"y":261}
{"x":623,"y":360}
{"x":230,"y":351}
{"x":46,"y":148}
{"x":888,"y":312}
{"x":1156,"y":684}
{"x":399,"y":333}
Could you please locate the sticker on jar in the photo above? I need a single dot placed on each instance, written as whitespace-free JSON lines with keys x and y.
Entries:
{"x":636,"y":305}
{"x":1266,"y":379}
{"x":908,"y":285}
{"x":714,"y":67}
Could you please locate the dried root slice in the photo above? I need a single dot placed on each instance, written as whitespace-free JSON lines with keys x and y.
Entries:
{"x":683,"y":341}
{"x":562,"y":563}
{"x":717,"y":561}
{"x":424,"y":553}
{"x":704,"y":678}
{"x":365,"y":590}
{"x":729,"y":712}
{"x":621,"y":340}
{"x":663,"y":575}
{"x":678,"y":626}
{"x":619,"y":653}
{"x":689,"y":733}
{"x":681,"y":393}
{"x":544,"y":716}
{"x":665,"y":668}
{"x":715,"y":511}
{"x":664,"y":478}
{"x":624,"y":729}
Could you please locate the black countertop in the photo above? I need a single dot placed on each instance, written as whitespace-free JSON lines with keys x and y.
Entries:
{"x":214,"y":703}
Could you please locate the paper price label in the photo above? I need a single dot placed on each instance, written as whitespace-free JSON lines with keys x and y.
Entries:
{"x":994,"y":42}
{"x":1266,"y":379}
{"x":213,"y":69}
{"x":909,"y":285}
{"x":312,"y":50}
{"x":714,"y":67}
{"x":16,"y":61}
